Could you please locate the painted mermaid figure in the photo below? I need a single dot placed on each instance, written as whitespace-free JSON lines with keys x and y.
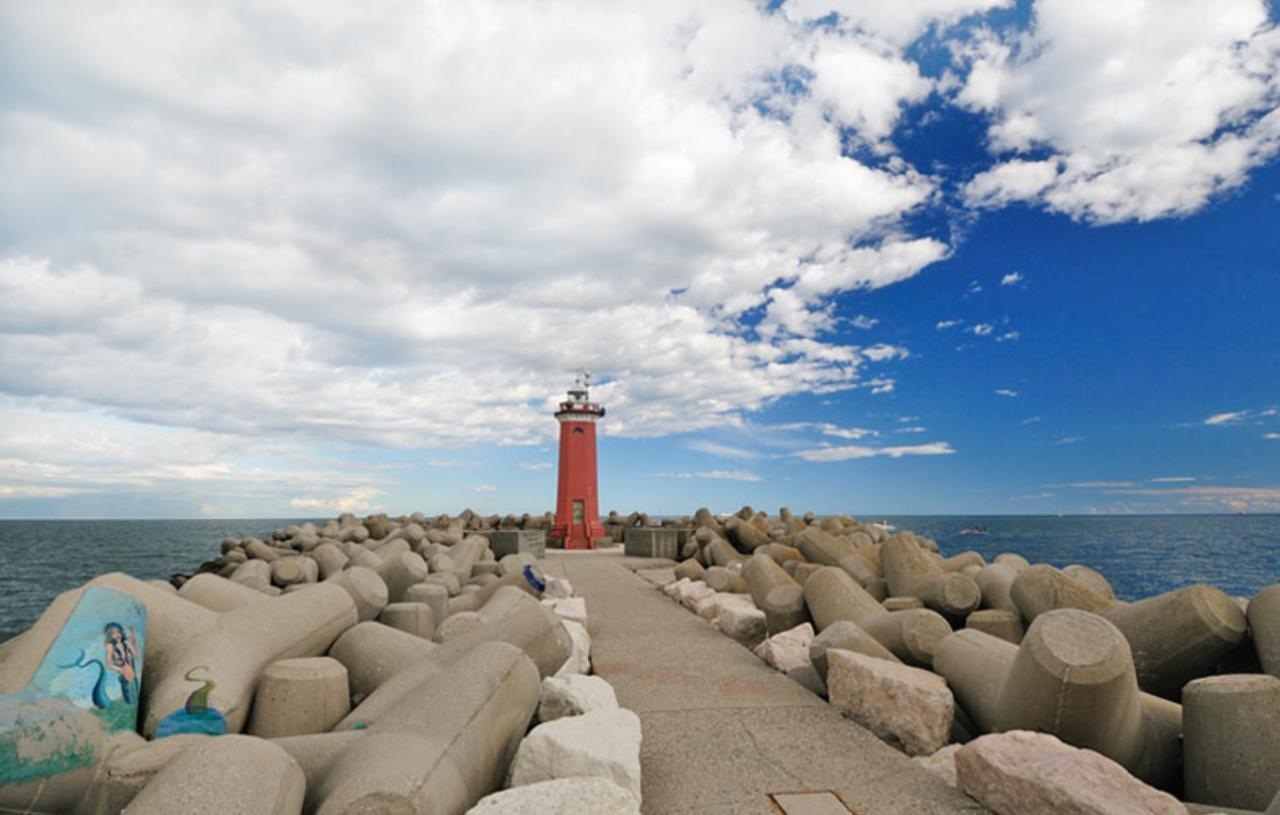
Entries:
{"x":122,"y":657}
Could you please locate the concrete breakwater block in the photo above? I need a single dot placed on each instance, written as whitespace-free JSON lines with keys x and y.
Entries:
{"x":580,"y":796}
{"x":1264,"y":624}
{"x":232,"y":773}
{"x":300,"y":696}
{"x":1232,"y":740}
{"x":651,"y":542}
{"x":909,"y":707}
{"x":603,"y":743}
{"x":372,"y":653}
{"x":1036,"y":774}
{"x":505,"y":542}
{"x":411,"y":618}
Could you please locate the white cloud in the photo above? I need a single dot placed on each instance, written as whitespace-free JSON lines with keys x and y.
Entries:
{"x":1031,"y":420}
{"x":832,"y":430}
{"x":534,"y":466}
{"x":1011,"y":278}
{"x":911,"y":429}
{"x":1009,"y":336}
{"x":847,"y":452}
{"x":1147,"y":110}
{"x":1271,"y":436}
{"x":943,"y":325}
{"x":360,"y":501}
{"x":1006,"y":392}
{"x":1236,"y":499}
{"x":1069,"y":440}
{"x":485,"y":488}
{"x":1172,"y":479}
{"x":1233,"y":417}
{"x":715,"y":475}
{"x":981,"y":329}
{"x":722,"y":450}
{"x":864,"y":322}
{"x":257,"y":230}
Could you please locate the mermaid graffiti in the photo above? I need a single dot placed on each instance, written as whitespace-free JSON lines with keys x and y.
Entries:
{"x":120,"y":658}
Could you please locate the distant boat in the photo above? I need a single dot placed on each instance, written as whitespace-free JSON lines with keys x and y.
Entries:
{"x":974,"y":530}
{"x":885,"y":525}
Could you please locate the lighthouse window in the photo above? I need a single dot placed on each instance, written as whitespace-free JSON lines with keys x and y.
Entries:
{"x":577,"y":512}
{"x":577,"y":431}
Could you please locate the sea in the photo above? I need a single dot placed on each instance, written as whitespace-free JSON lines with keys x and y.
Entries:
{"x":1141,"y":555}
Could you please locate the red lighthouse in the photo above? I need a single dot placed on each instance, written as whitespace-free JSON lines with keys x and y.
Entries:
{"x":577,"y":505}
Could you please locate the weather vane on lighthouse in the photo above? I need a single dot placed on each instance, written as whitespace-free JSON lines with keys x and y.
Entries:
{"x":577,"y":504}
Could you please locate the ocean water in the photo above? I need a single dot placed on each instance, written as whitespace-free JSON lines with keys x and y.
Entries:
{"x":1140,"y":555}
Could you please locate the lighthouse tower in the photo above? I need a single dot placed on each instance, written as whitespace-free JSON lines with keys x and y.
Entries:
{"x":577,"y":505}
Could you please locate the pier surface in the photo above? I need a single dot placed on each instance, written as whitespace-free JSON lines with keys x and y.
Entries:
{"x":723,"y":731}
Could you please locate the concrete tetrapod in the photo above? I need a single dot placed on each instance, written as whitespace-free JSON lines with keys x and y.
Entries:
{"x":1179,"y":635}
{"x":373,"y":652}
{"x":1264,"y":625}
{"x":530,"y":626}
{"x":218,"y":593}
{"x":845,"y":636}
{"x":775,"y":593}
{"x":828,"y":550}
{"x":1232,"y":740}
{"x":995,"y":581}
{"x":443,"y":745}
{"x":215,"y":674}
{"x":909,"y":570}
{"x":296,"y":697}
{"x":238,"y":774}
{"x":1042,"y":588}
{"x":366,"y":588}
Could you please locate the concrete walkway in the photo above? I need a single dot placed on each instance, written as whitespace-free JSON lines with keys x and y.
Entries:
{"x":723,"y":730}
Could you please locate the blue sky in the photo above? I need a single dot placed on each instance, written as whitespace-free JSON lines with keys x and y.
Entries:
{"x":953,"y":256}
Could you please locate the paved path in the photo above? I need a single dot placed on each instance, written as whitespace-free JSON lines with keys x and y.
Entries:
{"x":722,"y":729}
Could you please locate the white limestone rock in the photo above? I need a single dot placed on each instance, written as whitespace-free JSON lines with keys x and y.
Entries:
{"x":558,"y":588}
{"x":572,"y":608}
{"x":581,"y":796}
{"x":706,"y":608}
{"x":742,"y":622}
{"x":787,"y":649}
{"x":1036,"y":774}
{"x":603,"y":743}
{"x":942,"y":764}
{"x":574,"y":695}
{"x":694,"y":592}
{"x":672,"y":590}
{"x":579,"y":661}
{"x":908,"y":707}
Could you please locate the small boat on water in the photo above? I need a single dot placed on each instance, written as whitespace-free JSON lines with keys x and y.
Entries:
{"x":885,"y":525}
{"x":974,"y":530}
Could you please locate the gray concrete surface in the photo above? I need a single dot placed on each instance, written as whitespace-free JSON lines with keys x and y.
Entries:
{"x":721,"y":729}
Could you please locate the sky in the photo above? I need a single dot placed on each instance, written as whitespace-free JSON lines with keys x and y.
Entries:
{"x":291,"y":259}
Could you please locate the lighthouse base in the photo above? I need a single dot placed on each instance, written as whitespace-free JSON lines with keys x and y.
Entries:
{"x":577,"y":536}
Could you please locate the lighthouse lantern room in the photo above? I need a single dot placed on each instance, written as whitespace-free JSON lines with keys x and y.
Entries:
{"x":577,"y":505}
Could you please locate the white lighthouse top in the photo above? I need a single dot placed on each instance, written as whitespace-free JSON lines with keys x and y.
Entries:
{"x":579,"y":407}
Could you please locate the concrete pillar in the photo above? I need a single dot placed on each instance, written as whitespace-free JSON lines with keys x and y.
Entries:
{"x":442,"y":752}
{"x":1074,"y":677}
{"x":434,"y":595}
{"x":365,"y":588}
{"x":908,"y":570}
{"x":411,"y":618}
{"x":913,"y":635}
{"x":372,"y":653}
{"x":256,"y":574}
{"x":218,"y":593}
{"x":400,"y":571}
{"x":846,"y":636}
{"x":1007,"y":625}
{"x":722,"y":579}
{"x":995,"y":581}
{"x":300,"y":696}
{"x":216,"y":670}
{"x":290,"y":571}
{"x":1042,"y":588}
{"x":690,"y":569}
{"x":1179,"y":635}
{"x":330,"y":559}
{"x":1264,"y":625}
{"x":827,"y":549}
{"x":238,"y":774}
{"x":975,"y":665}
{"x":831,"y":594}
{"x":1231,"y":740}
{"x":775,"y":593}
{"x":958,"y":563}
{"x":720,"y":553}
{"x":1090,"y":579}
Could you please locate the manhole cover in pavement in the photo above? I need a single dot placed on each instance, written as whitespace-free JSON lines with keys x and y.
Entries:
{"x":824,"y":802}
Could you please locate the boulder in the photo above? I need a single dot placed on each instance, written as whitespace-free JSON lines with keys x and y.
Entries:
{"x":1025,"y":773}
{"x":581,"y":796}
{"x":572,"y":608}
{"x":908,"y":707}
{"x":603,"y":743}
{"x":942,"y":764}
{"x":574,"y":695}
{"x":741,"y":622}
{"x":579,"y":661}
{"x":788,"y":649}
